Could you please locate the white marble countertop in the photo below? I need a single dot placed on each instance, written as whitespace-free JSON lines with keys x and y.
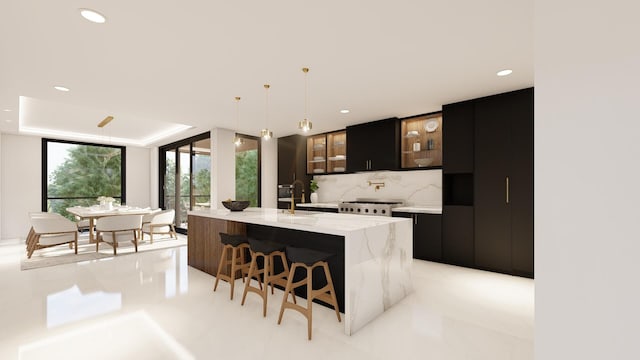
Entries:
{"x":410,"y":209}
{"x":326,"y":223}
{"x":419,"y":209}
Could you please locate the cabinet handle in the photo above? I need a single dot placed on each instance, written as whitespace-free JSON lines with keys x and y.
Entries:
{"x":506,"y":182}
{"x":415,"y":219}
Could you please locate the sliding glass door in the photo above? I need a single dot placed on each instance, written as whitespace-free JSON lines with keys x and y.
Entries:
{"x":185,"y":177}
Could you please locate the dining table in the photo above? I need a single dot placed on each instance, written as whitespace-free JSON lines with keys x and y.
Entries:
{"x":97,"y":211}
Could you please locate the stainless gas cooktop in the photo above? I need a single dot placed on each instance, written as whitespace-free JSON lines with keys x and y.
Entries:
{"x":369,"y":206}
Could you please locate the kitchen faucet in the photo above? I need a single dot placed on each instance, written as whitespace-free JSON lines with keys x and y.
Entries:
{"x":377,"y":185}
{"x":292,"y":210}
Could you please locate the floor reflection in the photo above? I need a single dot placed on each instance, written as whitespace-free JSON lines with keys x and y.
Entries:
{"x":71,"y":305}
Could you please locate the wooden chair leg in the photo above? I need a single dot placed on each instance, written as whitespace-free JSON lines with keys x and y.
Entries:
{"x":332,"y":291}
{"x":223,"y":262}
{"x":268,"y":266}
{"x":234,"y":269}
{"x":135,"y":240}
{"x":249,"y":276}
{"x":287,"y":290}
{"x":98,"y":237}
{"x":113,"y":237}
{"x":308,"y":310}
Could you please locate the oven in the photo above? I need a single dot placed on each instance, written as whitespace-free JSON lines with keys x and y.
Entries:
{"x":284,"y":196}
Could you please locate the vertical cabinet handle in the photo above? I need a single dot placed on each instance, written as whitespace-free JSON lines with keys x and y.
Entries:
{"x":415,"y":219}
{"x":506,"y":187}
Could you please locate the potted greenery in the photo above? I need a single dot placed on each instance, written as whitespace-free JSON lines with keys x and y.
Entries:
{"x":313,"y":186}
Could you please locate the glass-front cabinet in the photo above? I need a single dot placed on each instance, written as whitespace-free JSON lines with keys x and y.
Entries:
{"x":337,"y":151}
{"x":421,"y":143}
{"x":317,"y":154}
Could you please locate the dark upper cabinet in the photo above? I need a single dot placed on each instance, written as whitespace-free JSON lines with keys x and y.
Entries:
{"x":457,"y":137}
{"x":374,"y":146}
{"x":503,"y":182}
{"x":292,"y":161}
{"x":427,"y":235}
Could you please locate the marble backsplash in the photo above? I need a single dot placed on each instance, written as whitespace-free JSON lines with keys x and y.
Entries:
{"x":415,"y":188}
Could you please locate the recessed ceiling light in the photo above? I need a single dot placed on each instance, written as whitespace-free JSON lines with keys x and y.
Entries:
{"x":344,"y":111}
{"x":7,"y":110}
{"x":61,"y":88}
{"x":8,"y":120}
{"x":504,"y":72}
{"x":93,"y":16}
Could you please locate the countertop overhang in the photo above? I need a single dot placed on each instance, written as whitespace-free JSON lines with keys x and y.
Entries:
{"x":321,"y":222}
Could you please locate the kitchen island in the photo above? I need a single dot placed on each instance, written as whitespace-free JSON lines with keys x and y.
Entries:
{"x":373,"y":255}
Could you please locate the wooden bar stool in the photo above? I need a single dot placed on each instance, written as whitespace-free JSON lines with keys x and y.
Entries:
{"x":309,"y":260}
{"x":268,"y":251}
{"x":236,"y":244}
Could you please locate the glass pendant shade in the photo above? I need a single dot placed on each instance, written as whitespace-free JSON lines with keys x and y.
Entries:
{"x":266,"y":133}
{"x":237,"y":139}
{"x":305,"y":125}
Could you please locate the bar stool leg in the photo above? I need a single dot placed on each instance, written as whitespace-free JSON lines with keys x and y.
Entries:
{"x":332,"y":291}
{"x":268,"y":266}
{"x":252,"y":268}
{"x":287,"y":290}
{"x":308,"y":311}
{"x":223,"y":262}
{"x":234,"y":269}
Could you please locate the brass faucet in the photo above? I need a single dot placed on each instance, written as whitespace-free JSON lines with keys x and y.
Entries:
{"x":377,"y":185}
{"x":292,"y":210}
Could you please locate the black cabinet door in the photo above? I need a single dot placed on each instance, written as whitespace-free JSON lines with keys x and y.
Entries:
{"x":457,"y":137}
{"x":521,"y":183}
{"x":492,"y":215}
{"x":286,"y":159}
{"x":503,"y":182}
{"x":457,"y":235}
{"x":373,"y":146}
{"x":292,"y":158}
{"x":427,"y":237}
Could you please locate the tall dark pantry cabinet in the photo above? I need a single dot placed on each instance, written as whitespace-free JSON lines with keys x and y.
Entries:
{"x":488,"y":196}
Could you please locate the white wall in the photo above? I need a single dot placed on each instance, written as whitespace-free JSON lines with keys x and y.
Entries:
{"x":269,"y":174}
{"x":154,"y":178}
{"x":20,"y":183}
{"x":223,"y":165}
{"x":587,"y":179}
{"x":139,"y":176}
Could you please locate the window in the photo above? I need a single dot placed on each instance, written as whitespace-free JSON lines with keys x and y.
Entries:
{"x":76,"y":174}
{"x":185,"y":176}
{"x":248,"y":170}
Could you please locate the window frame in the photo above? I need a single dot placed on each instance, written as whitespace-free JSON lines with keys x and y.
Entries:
{"x":45,"y":161}
{"x":259,"y":140}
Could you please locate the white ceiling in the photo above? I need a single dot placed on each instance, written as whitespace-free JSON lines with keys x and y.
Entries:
{"x":156,"y":65}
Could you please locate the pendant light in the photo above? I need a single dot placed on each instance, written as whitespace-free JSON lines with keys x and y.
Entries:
{"x":238,"y":140}
{"x":305,"y":125}
{"x":265,"y":133}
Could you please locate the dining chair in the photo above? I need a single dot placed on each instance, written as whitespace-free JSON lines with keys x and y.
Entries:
{"x":114,"y":229}
{"x":51,"y":230}
{"x":161,"y":222}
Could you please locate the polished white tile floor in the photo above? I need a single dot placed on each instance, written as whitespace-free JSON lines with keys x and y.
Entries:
{"x":153,"y":306}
